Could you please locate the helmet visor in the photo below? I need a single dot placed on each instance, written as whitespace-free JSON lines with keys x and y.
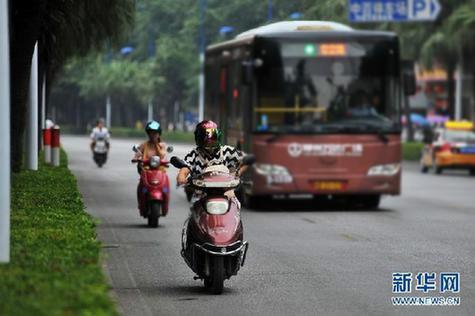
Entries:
{"x":154,"y":126}
{"x":210,"y":138}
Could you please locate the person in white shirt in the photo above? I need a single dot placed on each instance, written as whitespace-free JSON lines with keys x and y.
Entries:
{"x":100,"y":131}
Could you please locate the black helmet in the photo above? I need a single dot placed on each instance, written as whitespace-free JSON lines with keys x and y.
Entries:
{"x":153,"y":126}
{"x":208,"y":135}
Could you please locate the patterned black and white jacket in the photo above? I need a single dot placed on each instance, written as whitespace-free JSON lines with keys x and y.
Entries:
{"x":198,"y":159}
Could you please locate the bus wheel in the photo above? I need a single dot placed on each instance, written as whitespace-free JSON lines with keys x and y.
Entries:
{"x":472,"y":172}
{"x":371,"y":201}
{"x":249,"y":201}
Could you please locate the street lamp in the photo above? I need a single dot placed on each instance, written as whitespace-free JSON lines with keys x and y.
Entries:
{"x":226,"y":31}
{"x":295,"y":15}
{"x":126,"y":50}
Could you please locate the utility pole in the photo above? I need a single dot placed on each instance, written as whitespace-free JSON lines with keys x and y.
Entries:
{"x":150,"y":112}
{"x":202,"y":61}
{"x":458,"y":91}
{"x":32,"y":116}
{"x":269,"y":11}
{"x":43,"y":106}
{"x":4,"y":134}
{"x":108,"y":112}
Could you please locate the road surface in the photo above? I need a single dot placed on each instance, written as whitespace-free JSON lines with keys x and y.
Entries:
{"x":301,"y":261}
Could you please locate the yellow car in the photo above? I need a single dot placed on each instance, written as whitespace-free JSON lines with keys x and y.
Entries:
{"x":453,"y":147}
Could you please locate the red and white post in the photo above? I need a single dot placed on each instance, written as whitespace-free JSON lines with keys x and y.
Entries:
{"x":55,"y":144}
{"x":47,"y":144}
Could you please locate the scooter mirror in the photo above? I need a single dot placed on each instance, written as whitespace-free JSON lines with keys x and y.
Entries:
{"x":136,"y":148}
{"x":248,"y":160}
{"x":169,"y":149}
{"x":178,"y":163}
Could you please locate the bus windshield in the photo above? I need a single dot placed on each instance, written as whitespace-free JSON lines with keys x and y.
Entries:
{"x":330,"y":86}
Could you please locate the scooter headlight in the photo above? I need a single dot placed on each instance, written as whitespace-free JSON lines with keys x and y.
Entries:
{"x":154,"y":161}
{"x":217,"y":206}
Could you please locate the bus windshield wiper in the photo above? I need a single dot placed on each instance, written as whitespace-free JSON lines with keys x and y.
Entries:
{"x":273,"y":137}
{"x":378,"y":129}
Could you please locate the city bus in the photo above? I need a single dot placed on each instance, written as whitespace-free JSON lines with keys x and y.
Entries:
{"x":317,"y":103}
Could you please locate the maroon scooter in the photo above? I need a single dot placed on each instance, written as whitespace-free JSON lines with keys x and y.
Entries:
{"x":212,"y":238}
{"x":153,"y":192}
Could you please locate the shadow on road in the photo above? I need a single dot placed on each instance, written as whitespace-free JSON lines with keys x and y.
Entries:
{"x":182,"y":293}
{"x":129,"y":225}
{"x":313,"y":206}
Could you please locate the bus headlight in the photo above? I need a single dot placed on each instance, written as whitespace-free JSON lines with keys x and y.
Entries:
{"x":268,"y":169}
{"x":384,"y":170}
{"x":274,"y":173}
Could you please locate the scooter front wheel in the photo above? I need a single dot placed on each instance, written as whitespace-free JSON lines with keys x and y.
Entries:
{"x":217,"y":280}
{"x":154,"y":214}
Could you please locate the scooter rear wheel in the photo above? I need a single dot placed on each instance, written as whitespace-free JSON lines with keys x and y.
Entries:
{"x":154,"y":214}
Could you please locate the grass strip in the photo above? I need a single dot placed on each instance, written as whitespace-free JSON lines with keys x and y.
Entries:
{"x":55,"y":266}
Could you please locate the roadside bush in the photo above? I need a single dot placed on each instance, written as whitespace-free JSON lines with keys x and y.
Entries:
{"x":55,"y":266}
{"x":412,"y":151}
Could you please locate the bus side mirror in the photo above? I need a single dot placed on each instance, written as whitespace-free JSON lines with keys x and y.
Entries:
{"x":248,"y":160}
{"x":408,"y":77}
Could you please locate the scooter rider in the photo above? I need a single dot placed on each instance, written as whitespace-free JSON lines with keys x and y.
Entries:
{"x":208,"y":152}
{"x":100,"y":131}
{"x":150,"y":148}
{"x":154,"y":146}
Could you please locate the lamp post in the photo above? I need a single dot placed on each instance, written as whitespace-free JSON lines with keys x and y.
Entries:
{"x":269,"y":11}
{"x":202,"y":60}
{"x":226,"y":31}
{"x":108,"y":98}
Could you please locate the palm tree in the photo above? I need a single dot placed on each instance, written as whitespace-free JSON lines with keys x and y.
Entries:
{"x":63,"y":28}
{"x":461,"y":25}
{"x":441,"y":48}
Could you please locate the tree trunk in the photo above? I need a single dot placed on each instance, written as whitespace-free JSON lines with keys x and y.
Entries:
{"x":451,"y":90}
{"x":25,"y":30}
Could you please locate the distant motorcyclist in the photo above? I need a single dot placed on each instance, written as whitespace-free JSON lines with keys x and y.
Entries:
{"x":100,"y":132}
{"x":208,"y":152}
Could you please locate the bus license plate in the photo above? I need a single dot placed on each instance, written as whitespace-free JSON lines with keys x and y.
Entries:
{"x":329,"y":185}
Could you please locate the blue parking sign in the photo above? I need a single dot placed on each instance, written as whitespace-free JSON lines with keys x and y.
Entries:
{"x":392,"y":10}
